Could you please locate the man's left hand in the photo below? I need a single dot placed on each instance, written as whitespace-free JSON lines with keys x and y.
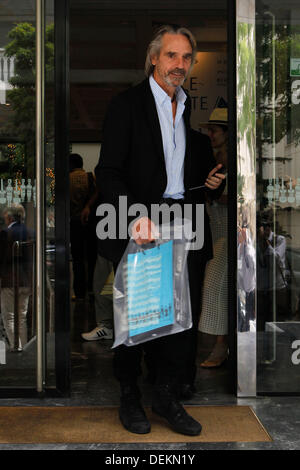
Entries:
{"x":214,"y":179}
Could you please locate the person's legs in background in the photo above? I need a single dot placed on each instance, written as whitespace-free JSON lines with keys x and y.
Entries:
{"x":103,"y":301}
{"x":214,"y":312}
{"x":196,"y":269}
{"x":103,"y":279}
{"x":8,"y":316}
{"x":77,"y":241}
{"x":91,"y":254}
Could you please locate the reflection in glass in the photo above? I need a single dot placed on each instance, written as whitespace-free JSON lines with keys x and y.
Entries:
{"x":18,"y":192}
{"x":49,"y":194}
{"x":17,"y":199}
{"x":246,"y":203}
{"x":278,"y":195}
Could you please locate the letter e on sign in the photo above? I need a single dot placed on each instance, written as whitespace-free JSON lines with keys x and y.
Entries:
{"x":296,"y":354}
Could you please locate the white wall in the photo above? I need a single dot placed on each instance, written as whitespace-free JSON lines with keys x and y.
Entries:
{"x":90,"y":154}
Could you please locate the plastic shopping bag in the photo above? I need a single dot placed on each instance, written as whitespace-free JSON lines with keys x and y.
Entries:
{"x":151,"y":289}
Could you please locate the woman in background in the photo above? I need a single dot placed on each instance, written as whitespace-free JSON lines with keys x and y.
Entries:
{"x":214,"y":315}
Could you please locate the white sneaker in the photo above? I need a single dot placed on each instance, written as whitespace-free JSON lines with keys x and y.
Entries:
{"x":100,"y":332}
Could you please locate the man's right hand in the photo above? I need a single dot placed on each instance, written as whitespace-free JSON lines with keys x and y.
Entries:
{"x":144,"y":231}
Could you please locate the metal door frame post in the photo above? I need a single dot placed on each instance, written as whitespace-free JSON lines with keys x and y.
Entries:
{"x":40,"y":193}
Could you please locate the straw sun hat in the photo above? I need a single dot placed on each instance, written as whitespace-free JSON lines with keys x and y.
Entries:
{"x":219,"y":116}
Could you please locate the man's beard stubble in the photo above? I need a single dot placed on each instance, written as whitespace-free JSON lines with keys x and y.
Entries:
{"x":174,"y":81}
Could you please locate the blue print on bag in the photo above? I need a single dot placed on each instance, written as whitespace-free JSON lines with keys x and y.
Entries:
{"x":150,"y":289}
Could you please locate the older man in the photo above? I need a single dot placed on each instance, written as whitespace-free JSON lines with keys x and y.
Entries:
{"x":146,"y":156}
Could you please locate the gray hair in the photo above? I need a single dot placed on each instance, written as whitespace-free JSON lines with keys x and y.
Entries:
{"x":155,"y":45}
{"x":16,"y":212}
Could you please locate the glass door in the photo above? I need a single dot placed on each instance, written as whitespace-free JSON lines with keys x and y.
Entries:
{"x":278,"y":196}
{"x":28,"y":197}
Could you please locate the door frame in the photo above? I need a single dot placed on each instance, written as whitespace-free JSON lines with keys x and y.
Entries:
{"x":232,"y":194}
{"x":62,"y":236}
{"x":62,"y":206}
{"x":62,"y":289}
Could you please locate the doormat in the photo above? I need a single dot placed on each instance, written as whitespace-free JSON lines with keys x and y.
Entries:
{"x":65,"y":424}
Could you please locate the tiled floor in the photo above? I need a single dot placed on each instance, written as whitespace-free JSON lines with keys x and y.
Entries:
{"x":93,"y":384}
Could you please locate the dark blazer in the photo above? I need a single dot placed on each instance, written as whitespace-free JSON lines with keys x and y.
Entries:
{"x":132,"y":159}
{"x":9,"y":257}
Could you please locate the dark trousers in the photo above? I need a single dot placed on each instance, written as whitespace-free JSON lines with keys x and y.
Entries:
{"x":196,"y":269}
{"x":84,"y":254}
{"x":172,"y":358}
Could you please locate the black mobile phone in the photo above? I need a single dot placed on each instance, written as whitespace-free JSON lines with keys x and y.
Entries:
{"x":221,"y":170}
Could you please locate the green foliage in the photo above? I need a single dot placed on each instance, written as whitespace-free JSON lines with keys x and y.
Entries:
{"x":286,"y":44}
{"x":14,"y":155}
{"x":246,"y":100}
{"x":21,"y":125}
{"x":246,"y":83}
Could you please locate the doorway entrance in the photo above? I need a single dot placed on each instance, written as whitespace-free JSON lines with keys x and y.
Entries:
{"x":108,"y":44}
{"x":95,"y":55}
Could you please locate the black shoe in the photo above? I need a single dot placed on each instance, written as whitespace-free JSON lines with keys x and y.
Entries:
{"x":166,"y":406}
{"x":185,"y":391}
{"x":132,"y":414}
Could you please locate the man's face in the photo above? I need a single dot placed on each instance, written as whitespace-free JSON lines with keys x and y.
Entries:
{"x":174,"y":61}
{"x":217,"y":136}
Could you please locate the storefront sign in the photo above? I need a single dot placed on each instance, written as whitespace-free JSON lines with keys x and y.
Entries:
{"x":207,"y":85}
{"x":295,"y":67}
{"x":296,"y":354}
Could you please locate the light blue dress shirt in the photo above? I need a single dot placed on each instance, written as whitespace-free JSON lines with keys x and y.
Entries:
{"x":173,"y":137}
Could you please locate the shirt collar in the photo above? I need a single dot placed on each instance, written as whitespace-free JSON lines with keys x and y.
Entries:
{"x":161,"y":96}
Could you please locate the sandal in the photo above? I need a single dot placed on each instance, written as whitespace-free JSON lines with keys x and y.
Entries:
{"x":218,"y":355}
